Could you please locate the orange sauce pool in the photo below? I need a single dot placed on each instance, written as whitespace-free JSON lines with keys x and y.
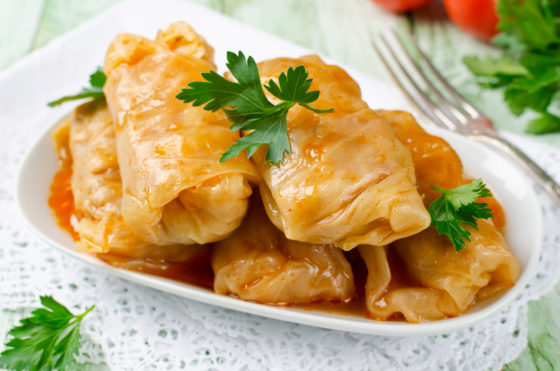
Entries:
{"x":61,"y":199}
{"x":499,"y":219}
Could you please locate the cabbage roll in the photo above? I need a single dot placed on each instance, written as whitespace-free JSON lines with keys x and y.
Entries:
{"x":385,"y":300}
{"x":259,"y":263}
{"x":445,"y":282}
{"x":97,"y":190}
{"x":422,"y":277}
{"x":348,"y":180}
{"x":175,"y":190}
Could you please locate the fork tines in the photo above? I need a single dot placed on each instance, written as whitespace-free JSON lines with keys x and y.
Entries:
{"x":409,"y":66}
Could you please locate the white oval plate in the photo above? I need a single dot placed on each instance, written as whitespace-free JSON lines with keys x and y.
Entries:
{"x":524,"y":220}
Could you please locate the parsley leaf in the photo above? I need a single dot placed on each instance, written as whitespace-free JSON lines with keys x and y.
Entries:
{"x":95,"y":90}
{"x":546,"y":123}
{"x":492,"y":67}
{"x":529,"y":70}
{"x":48,"y":339}
{"x":456,"y":208}
{"x":495,"y":72}
{"x":247,"y":107}
{"x":293,"y":86}
{"x":528,"y":25}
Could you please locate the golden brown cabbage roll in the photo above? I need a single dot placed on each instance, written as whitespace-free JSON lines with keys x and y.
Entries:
{"x":445,"y":282}
{"x":97,"y":190}
{"x":259,"y":263}
{"x":422,"y":277}
{"x":348,"y":180}
{"x":175,"y":190}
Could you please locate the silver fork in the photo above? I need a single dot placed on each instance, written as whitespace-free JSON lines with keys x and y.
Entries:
{"x":448,"y":109}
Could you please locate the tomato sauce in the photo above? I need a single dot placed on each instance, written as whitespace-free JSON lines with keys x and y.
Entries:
{"x":61,"y":199}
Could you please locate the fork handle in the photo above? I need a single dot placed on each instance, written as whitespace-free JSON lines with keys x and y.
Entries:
{"x":540,"y":176}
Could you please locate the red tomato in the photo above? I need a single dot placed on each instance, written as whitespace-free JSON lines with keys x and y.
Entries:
{"x":477,"y":17}
{"x":398,"y":6}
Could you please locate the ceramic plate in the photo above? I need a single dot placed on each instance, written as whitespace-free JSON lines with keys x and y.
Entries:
{"x":63,"y":66}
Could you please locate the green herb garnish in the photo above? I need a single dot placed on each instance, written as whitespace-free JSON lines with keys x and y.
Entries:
{"x":456,"y":208}
{"x":247,"y":107}
{"x":48,"y":339}
{"x":96,"y":80}
{"x":529,"y":71}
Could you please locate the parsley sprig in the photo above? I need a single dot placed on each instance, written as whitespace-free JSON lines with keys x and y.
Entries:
{"x":95,"y":90}
{"x":247,"y":107}
{"x":528,"y":71}
{"x":458,"y":207}
{"x":48,"y":339}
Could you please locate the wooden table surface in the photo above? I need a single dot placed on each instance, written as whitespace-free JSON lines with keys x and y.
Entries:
{"x":340,"y":29}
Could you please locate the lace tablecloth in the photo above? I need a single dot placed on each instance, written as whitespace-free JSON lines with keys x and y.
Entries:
{"x":135,"y":325}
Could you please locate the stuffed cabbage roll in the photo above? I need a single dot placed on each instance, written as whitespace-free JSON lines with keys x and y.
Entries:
{"x":97,"y":190}
{"x":422,"y":277}
{"x":259,"y":263}
{"x":348,"y":180}
{"x":444,"y":282}
{"x":175,"y":190}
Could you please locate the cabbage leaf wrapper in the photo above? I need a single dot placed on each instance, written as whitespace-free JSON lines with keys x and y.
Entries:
{"x":348,"y":180}
{"x":175,"y":190}
{"x":259,"y":263}
{"x":97,"y":191}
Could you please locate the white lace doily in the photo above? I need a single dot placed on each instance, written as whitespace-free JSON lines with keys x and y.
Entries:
{"x":137,"y":327}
